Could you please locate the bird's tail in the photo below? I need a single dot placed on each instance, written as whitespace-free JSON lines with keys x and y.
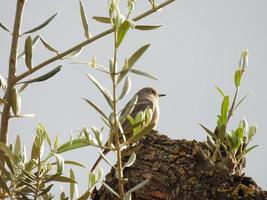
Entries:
{"x":98,"y":160}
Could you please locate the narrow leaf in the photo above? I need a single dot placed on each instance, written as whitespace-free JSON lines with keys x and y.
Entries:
{"x":62,"y":179}
{"x":147,"y":27}
{"x":7,"y":151}
{"x":48,"y":46}
{"x":105,"y":20}
{"x":130,"y":161}
{"x":60,"y":163}
{"x":249,"y":149}
{"x":210,"y":133}
{"x":126,"y":87}
{"x":41,"y":25}
{"x":72,"y":185}
{"x":142,"y":73}
{"x":85,"y":195}
{"x":241,"y":100}
{"x":220,"y":91}
{"x":4,"y":27}
{"x":3,"y":185}
{"x":16,"y":102}
{"x":224,"y":110}
{"x":3,"y":83}
{"x":237,"y":78}
{"x":110,"y":189}
{"x":46,"y":76}
{"x":17,"y":148}
{"x":84,"y":21}
{"x":34,"y":42}
{"x":96,"y":108}
{"x":102,"y":89}
{"x":123,"y":29}
{"x":28,"y":52}
{"x":138,"y":186}
{"x":131,"y":61}
{"x":74,"y":144}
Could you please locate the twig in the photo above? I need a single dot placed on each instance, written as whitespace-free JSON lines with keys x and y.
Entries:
{"x":86,"y":42}
{"x":11,"y":74}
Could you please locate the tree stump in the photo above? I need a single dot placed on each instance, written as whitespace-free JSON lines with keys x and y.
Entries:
{"x":177,"y":171}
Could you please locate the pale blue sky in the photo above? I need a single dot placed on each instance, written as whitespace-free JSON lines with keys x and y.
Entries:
{"x":198,"y":47}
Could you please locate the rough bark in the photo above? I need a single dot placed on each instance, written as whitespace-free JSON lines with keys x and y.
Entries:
{"x":177,"y":170}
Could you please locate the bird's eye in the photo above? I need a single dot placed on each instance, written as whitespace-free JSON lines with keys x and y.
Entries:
{"x":152,"y":91}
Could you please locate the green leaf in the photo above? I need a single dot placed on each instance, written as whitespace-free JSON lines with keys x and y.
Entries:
{"x":142,"y":73}
{"x":59,"y":178}
{"x":46,"y":190}
{"x":46,"y":76}
{"x":141,"y":134}
{"x":224,"y":110}
{"x":17,"y":148}
{"x":96,"y":108}
{"x":70,"y":162}
{"x":130,"y":161}
{"x":41,"y":25}
{"x":28,"y":52}
{"x":4,"y":186}
{"x":126,"y":88}
{"x":60,"y":163}
{"x":128,"y":108}
{"x":34,"y":42}
{"x":72,"y":185}
{"x":220,"y":91}
{"x":85,"y":196}
{"x":74,"y":144}
{"x":7,"y":151}
{"x":209,"y":132}
{"x":249,"y":149}
{"x":138,"y":186}
{"x":84,"y":21}
{"x":4,"y":27}
{"x":16,"y":102}
{"x":240,"y":101}
{"x":123,"y":29}
{"x":131,"y":61}
{"x":98,"y":135}
{"x":252,"y":131}
{"x":238,"y":76}
{"x":110,"y":189}
{"x":102,"y":89}
{"x":147,"y":27}
{"x":105,"y":20}
{"x":48,"y":46}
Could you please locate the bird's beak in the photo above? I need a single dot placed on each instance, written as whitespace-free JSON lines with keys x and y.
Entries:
{"x":162,"y":95}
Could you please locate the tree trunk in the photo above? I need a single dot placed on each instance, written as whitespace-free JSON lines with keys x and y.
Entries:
{"x":176,"y":169}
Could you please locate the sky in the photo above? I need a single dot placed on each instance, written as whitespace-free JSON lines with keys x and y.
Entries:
{"x":198,"y":47}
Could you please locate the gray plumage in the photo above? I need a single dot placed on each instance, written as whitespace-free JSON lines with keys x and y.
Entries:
{"x":147,"y":97}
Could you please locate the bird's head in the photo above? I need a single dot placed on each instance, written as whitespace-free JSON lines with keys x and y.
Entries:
{"x":149,"y":93}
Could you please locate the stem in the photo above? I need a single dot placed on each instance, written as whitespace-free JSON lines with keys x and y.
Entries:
{"x":11,"y":75}
{"x":116,"y":128}
{"x":231,"y":111}
{"x":37,"y":179}
{"x":86,"y":42}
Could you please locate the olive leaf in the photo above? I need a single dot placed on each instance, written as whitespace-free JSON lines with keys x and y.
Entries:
{"x":45,"y":23}
{"x":142,"y":73}
{"x":16,"y":102}
{"x":34,"y":42}
{"x":126,"y":88}
{"x":84,"y":21}
{"x":147,"y":27}
{"x":105,"y":20}
{"x":44,"y":77}
{"x":48,"y":46}
{"x":4,"y":27}
{"x":28,"y":52}
{"x":131,"y":61}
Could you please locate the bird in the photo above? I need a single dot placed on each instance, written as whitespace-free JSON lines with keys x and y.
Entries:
{"x":148,"y":97}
